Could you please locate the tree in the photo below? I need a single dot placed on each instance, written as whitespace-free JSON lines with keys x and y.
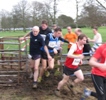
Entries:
{"x":20,"y":13}
{"x":51,"y":9}
{"x":6,"y":21}
{"x":37,"y":11}
{"x":92,"y":15}
{"x":65,"y":21}
{"x":102,"y":4}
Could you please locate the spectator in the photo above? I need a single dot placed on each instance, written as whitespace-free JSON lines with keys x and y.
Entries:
{"x":87,"y":47}
{"x":54,"y":27}
{"x":70,"y":36}
{"x":97,"y":40}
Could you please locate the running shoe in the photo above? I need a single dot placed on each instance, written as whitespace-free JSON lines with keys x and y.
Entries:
{"x":57,"y":93}
{"x":34,"y":85}
{"x":47,"y":73}
{"x":86,"y":94}
{"x":39,"y":79}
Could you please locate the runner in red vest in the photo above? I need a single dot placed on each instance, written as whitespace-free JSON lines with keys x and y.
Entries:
{"x":98,"y":73}
{"x":73,"y":60}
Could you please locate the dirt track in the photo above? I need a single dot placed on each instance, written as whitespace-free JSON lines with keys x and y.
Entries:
{"x":45,"y":90}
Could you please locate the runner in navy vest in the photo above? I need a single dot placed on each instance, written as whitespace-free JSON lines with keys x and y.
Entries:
{"x":36,"y":42}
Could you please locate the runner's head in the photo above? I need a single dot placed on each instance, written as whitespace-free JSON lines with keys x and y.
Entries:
{"x":58,"y":32}
{"x":78,"y":31}
{"x":54,"y":26}
{"x":82,"y":39}
{"x":44,"y":25}
{"x":35,"y":30}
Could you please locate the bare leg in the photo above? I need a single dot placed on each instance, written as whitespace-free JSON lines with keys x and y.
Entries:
{"x":63,"y":81}
{"x":79,"y":75}
{"x":36,"y":69}
{"x":43,"y":67}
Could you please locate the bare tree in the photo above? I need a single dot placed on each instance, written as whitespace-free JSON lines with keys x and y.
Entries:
{"x":20,"y":13}
{"x":6,"y":21}
{"x":92,"y":14}
{"x":51,"y":7}
{"x":101,"y":4}
{"x":38,"y":12}
{"x":77,"y":13}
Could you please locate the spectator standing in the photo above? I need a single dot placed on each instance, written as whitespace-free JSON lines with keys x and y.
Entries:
{"x":87,"y":47}
{"x":70,"y":36}
{"x":97,"y":40}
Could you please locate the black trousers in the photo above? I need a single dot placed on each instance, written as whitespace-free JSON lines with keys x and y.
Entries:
{"x":100,"y":86}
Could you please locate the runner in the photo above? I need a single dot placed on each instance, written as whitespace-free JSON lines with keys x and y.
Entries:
{"x":74,"y":58}
{"x":98,"y":64}
{"x":51,"y":42}
{"x":36,"y":42}
{"x":44,"y":29}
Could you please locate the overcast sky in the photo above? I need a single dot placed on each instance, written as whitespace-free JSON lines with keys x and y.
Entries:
{"x":64,"y":6}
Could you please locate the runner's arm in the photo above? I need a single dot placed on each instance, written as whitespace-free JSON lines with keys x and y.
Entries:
{"x":94,"y":63}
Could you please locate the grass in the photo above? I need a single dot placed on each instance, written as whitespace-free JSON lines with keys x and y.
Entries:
{"x":11,"y":33}
{"x":87,"y":31}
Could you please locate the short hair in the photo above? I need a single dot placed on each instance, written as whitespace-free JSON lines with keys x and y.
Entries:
{"x":35,"y":27}
{"x":96,"y":28}
{"x":81,"y":36}
{"x":78,"y":29}
{"x":69,"y":26}
{"x":57,"y":29}
{"x":54,"y":25}
{"x":44,"y":22}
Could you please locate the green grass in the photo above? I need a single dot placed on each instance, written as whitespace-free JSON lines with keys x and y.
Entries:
{"x":11,"y":33}
{"x":87,"y":31}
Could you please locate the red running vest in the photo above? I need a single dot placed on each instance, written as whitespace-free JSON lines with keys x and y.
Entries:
{"x":69,"y":61}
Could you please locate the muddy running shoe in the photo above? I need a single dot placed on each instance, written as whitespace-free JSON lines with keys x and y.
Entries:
{"x":39,"y":79}
{"x":57,"y":93}
{"x":34,"y":85}
{"x":86,"y":93}
{"x":47,"y":73}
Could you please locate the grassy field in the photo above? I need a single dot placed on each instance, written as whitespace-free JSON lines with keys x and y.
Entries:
{"x":87,"y":31}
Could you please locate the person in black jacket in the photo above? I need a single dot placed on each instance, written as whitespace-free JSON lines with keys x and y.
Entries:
{"x":87,"y":47}
{"x":44,"y":29}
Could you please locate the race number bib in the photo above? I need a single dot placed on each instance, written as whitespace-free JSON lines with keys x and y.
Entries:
{"x":52,"y":44}
{"x":76,"y":62}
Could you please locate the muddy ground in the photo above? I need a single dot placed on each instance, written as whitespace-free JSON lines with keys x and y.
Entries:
{"x":45,"y":89}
